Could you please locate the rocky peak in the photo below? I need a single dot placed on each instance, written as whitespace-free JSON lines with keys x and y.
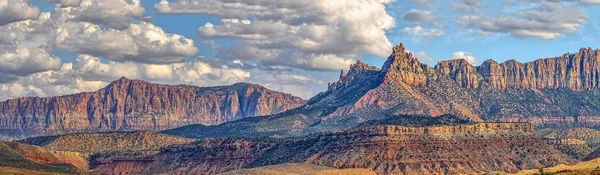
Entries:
{"x":360,"y":67}
{"x":358,"y":71}
{"x":461,"y":71}
{"x":402,"y":67}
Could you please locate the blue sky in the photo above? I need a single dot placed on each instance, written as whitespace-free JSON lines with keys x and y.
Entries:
{"x":291,"y":46}
{"x":500,"y":47}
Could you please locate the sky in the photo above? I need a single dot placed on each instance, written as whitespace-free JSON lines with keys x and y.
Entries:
{"x":58,"y":47}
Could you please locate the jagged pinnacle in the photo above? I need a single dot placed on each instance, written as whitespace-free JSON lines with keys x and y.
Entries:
{"x":399,"y":48}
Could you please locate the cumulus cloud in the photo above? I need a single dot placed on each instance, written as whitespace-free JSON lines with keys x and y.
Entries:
{"x":23,"y":49}
{"x":465,"y":55}
{"x":420,"y":17}
{"x":466,"y":6}
{"x":23,"y":61}
{"x":310,"y":35}
{"x":144,"y":42}
{"x":420,"y":31}
{"x":545,"y":21}
{"x":117,"y":14}
{"x":89,"y":73}
{"x":581,"y":2}
{"x":16,"y":10}
{"x":67,"y":3}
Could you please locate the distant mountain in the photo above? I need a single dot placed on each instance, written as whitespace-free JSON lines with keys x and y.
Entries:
{"x":561,"y":91}
{"x":139,"y":105}
{"x":434,"y":148}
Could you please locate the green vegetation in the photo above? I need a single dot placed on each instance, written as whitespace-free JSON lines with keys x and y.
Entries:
{"x":107,"y":141}
{"x":576,"y":142}
{"x":298,"y":169}
{"x":421,"y":121}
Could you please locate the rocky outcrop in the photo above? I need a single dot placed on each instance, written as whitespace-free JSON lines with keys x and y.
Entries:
{"x":385,"y":149}
{"x":542,"y":92}
{"x":578,"y":71}
{"x":138,"y":105}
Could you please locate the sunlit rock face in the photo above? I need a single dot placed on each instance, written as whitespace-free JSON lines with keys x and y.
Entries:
{"x":138,"y":105}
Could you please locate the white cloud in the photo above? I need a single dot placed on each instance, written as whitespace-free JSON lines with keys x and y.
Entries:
{"x":16,"y":10}
{"x":118,"y":14}
{"x":581,"y":2}
{"x":296,"y":34}
{"x":465,"y":55}
{"x":67,"y":3}
{"x":26,"y":46}
{"x":23,"y":61}
{"x":144,"y":42}
{"x":466,"y":6}
{"x":88,"y":73}
{"x":420,"y":17}
{"x":420,"y":31}
{"x":545,"y":20}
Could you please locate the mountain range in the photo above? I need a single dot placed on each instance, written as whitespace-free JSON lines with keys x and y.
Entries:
{"x":546,"y":92}
{"x":403,"y":118}
{"x":139,"y":105}
{"x":561,"y":91}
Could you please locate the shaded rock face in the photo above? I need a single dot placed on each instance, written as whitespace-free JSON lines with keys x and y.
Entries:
{"x":138,"y":105}
{"x":385,"y":149}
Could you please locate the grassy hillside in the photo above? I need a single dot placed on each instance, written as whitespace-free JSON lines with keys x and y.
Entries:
{"x":576,"y":142}
{"x":30,"y":157}
{"x":20,"y":171}
{"x":298,"y":169}
{"x":589,"y":167}
{"x":107,"y":141}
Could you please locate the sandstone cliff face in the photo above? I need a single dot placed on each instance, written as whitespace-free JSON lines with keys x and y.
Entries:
{"x":385,"y":149}
{"x":578,"y":71}
{"x":542,"y":92}
{"x":138,"y":105}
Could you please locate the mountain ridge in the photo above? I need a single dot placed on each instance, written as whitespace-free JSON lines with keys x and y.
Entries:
{"x":126,"y":104}
{"x":404,"y":86}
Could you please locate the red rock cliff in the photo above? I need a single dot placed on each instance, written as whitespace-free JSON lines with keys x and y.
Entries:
{"x":138,"y":105}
